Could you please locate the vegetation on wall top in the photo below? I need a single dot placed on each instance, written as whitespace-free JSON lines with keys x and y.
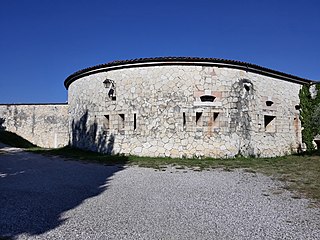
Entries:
{"x":310,"y":113}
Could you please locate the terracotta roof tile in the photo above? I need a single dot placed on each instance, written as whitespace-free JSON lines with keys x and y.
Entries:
{"x":184,"y":60}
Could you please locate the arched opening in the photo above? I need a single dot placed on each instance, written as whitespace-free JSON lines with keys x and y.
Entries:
{"x":207,"y":98}
{"x":269,"y":103}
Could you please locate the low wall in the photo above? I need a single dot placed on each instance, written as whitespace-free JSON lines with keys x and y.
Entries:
{"x":45,"y":125}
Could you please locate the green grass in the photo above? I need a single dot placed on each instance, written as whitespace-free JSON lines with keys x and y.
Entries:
{"x":5,"y":238}
{"x":78,"y":154}
{"x":301,"y":173}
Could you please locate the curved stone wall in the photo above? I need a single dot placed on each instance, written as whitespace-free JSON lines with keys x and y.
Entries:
{"x":184,"y":111}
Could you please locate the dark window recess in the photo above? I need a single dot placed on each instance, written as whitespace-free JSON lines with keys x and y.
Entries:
{"x":207,"y":98}
{"x":111,"y":92}
{"x":198,"y":117}
{"x":184,"y":119}
{"x":297,"y":107}
{"x":110,"y":85}
{"x":111,"y":95}
{"x":134,"y":121}
{"x":121,"y":121}
{"x":269,"y":103}
{"x":269,"y":123}
{"x":107,"y":122}
{"x":268,"y":120}
{"x":107,"y":83}
{"x":247,"y":84}
{"x":215,"y":116}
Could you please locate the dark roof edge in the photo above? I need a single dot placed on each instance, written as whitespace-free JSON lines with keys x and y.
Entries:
{"x":143,"y":62}
{"x":18,"y":104}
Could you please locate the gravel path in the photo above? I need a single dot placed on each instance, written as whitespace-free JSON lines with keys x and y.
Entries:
{"x":50,"y":198}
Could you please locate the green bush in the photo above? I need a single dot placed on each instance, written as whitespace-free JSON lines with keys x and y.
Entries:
{"x":309,"y":114}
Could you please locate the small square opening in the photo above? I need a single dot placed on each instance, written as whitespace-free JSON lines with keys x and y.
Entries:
{"x":207,"y":98}
{"x":269,"y":123}
{"x":269,"y":103}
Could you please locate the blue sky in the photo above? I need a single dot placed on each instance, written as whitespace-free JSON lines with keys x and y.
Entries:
{"x":43,"y":42}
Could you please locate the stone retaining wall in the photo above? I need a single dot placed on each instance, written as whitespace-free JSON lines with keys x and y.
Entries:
{"x":45,"y":125}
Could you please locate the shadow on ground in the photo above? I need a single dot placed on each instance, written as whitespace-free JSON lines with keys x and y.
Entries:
{"x":37,"y":190}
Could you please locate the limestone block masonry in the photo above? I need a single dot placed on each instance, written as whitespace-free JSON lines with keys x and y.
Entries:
{"x":184,"y":107}
{"x":45,"y":125}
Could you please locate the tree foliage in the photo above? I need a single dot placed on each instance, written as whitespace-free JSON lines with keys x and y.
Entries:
{"x":310,"y":114}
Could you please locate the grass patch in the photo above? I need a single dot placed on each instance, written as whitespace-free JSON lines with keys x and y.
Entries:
{"x":300,"y":172}
{"x":5,"y":238}
{"x":82,"y":155}
{"x":14,"y":140}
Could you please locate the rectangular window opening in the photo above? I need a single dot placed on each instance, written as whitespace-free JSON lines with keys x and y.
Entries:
{"x":215,"y":120}
{"x":215,"y":116}
{"x":106,"y":122}
{"x":134,"y":121}
{"x":269,"y":123}
{"x":198,"y":118}
{"x":121,"y":121}
{"x":184,"y":119}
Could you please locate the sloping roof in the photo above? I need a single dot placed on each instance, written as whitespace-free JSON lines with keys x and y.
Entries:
{"x":139,"y":62}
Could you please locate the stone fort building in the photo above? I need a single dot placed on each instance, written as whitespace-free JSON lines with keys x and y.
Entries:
{"x":169,"y":106}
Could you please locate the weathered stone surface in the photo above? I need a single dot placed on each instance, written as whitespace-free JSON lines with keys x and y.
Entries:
{"x":162,"y":104}
{"x":45,"y":125}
